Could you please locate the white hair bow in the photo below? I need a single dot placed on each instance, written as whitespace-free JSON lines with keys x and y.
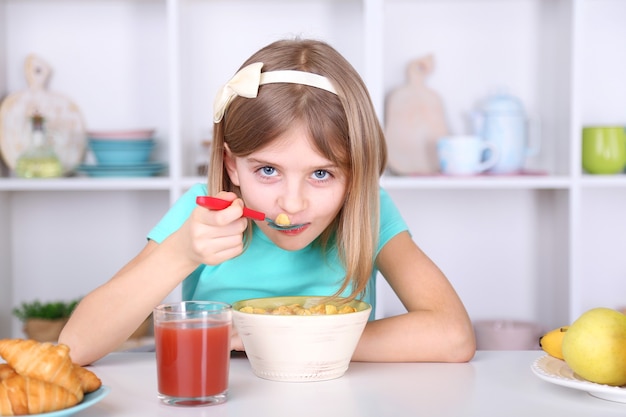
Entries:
{"x":246,"y":82}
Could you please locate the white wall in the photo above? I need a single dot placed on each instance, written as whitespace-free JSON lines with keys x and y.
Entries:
{"x":76,"y":247}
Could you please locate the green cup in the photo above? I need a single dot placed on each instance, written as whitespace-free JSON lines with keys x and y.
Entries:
{"x":604,"y":149}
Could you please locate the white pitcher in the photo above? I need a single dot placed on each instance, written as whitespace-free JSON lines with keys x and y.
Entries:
{"x":503,"y":122}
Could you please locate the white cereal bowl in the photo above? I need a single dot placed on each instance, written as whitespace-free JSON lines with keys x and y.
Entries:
{"x":299,"y":348}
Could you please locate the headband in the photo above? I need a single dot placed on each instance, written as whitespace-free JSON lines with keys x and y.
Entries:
{"x":247,"y":81}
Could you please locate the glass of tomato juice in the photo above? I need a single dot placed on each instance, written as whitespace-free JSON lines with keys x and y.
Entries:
{"x":192,"y":343}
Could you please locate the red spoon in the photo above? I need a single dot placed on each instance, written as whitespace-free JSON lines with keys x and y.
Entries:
{"x":214,"y":203}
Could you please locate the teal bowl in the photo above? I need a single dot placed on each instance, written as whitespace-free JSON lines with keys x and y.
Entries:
{"x":120,"y":144}
{"x":122,"y":153}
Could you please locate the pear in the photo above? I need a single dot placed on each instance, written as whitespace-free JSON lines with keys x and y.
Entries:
{"x":594,"y":346}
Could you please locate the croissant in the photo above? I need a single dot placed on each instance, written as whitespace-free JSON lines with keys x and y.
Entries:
{"x":88,"y":380}
{"x":20,"y":395}
{"x":43,"y":361}
{"x":6,"y":371}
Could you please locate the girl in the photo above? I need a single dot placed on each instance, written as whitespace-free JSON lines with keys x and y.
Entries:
{"x":295,"y":132}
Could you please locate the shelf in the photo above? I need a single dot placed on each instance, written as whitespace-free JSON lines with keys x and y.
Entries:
{"x":603,"y":181}
{"x":441,"y":182}
{"x":85,"y":184}
{"x":477,"y":182}
{"x":539,"y":182}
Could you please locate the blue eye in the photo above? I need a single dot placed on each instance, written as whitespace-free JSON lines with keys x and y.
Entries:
{"x":268,"y":171}
{"x":321,"y":174}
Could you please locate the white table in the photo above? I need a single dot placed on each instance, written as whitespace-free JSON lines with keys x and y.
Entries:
{"x":494,"y":383}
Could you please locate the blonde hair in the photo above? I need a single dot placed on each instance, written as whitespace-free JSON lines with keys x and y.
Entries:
{"x":343,"y":127}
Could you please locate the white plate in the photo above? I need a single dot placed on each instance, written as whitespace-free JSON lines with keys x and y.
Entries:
{"x":556,"y":371}
{"x":63,"y":119}
{"x":64,"y":126}
{"x":89,"y":400}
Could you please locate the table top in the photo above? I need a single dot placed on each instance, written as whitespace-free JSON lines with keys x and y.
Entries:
{"x":494,"y":383}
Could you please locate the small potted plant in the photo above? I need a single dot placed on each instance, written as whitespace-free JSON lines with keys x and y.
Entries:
{"x":44,"y":321}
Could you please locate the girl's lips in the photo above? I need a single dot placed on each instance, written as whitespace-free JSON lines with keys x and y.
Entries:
{"x":295,"y":231}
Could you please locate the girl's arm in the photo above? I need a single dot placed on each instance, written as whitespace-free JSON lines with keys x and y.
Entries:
{"x":436,"y":327}
{"x":107,"y":316}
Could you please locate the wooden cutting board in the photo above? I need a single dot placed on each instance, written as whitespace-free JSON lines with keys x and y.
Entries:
{"x":415,"y":120}
{"x":63,"y":119}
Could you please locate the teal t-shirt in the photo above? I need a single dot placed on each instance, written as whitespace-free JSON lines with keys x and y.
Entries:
{"x":264,"y":269}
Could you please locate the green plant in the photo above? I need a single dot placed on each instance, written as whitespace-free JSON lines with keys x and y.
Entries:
{"x":49,"y":311}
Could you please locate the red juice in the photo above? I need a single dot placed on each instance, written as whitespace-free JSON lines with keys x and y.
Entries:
{"x":192,"y":362}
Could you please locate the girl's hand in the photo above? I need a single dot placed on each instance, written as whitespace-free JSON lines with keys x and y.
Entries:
{"x":235,"y":341}
{"x":214,"y":236}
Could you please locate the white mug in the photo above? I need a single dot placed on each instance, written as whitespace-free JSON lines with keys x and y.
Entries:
{"x":463,"y":155}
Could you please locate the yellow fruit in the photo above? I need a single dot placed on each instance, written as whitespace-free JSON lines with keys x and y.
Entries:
{"x":552,"y":342}
{"x":594,"y":346}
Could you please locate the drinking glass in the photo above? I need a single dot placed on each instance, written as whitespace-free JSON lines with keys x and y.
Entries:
{"x":192,"y":342}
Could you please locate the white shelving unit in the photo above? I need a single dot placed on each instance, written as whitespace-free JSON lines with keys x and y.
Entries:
{"x":542,"y":248}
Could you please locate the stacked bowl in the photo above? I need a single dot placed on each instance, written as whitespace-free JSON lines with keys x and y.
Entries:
{"x":122,"y":153}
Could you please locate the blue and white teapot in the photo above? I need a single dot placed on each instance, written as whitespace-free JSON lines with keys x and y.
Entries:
{"x":502,"y":121}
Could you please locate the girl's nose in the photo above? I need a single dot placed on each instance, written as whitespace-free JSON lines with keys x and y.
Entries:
{"x":292,"y":200}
